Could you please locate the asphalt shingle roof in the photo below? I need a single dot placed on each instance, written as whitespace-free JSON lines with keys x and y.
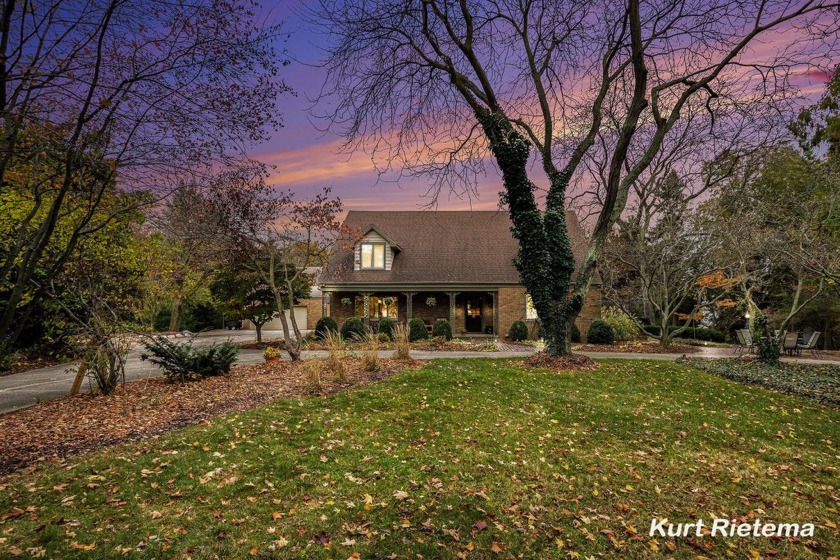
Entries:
{"x":439,"y":247}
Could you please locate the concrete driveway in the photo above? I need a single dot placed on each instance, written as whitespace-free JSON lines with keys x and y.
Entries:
{"x":23,"y":389}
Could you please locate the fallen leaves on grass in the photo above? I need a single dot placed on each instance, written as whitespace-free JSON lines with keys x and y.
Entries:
{"x":70,"y":425}
{"x":571,"y":362}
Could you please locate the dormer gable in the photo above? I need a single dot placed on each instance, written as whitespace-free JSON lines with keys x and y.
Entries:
{"x":374,"y":251}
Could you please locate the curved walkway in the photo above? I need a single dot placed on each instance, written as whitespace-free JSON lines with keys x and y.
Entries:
{"x":30,"y":387}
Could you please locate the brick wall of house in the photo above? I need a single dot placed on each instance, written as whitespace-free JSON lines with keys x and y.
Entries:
{"x":590,"y":312}
{"x":313,"y":311}
{"x":511,"y":307}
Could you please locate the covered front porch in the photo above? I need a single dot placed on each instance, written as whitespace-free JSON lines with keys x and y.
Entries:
{"x":472,"y":313}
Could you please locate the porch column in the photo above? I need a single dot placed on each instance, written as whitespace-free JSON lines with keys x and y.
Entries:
{"x":324,"y":298}
{"x":366,"y":308}
{"x":494,"y":298}
{"x":452,"y":307}
{"x":409,"y":297}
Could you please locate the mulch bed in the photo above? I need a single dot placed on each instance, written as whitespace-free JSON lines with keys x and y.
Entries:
{"x":430,"y":345}
{"x":637,"y":348}
{"x":57,"y":429}
{"x":572,"y":362}
{"x":817,"y":382}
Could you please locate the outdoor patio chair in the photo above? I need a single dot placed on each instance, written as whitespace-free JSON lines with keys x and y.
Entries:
{"x":745,"y":341}
{"x":791,"y":343}
{"x":811,"y":344}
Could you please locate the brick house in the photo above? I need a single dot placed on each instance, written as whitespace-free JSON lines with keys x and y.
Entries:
{"x":452,"y":265}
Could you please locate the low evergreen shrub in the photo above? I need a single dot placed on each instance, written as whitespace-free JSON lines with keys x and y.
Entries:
{"x":353,"y":329}
{"x":324,"y":325}
{"x":600,"y":332}
{"x":518,"y":331}
{"x":442,"y":329}
{"x":417,"y":330}
{"x":181,"y":362}
{"x":386,"y":327}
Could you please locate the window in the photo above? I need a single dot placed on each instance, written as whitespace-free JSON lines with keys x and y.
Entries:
{"x":373,"y":255}
{"x":530,"y":310}
{"x":378,"y":307}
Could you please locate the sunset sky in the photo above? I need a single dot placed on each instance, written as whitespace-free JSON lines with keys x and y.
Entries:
{"x":307,"y":158}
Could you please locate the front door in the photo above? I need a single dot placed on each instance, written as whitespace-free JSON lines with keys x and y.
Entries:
{"x":473,"y":314}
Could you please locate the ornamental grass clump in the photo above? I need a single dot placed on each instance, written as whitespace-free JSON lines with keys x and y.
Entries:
{"x":336,"y":346}
{"x":402,"y":345}
{"x":370,"y":352}
{"x":312,"y":375}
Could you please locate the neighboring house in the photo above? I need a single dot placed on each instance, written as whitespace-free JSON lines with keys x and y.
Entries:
{"x":452,"y":265}
{"x":307,"y":311}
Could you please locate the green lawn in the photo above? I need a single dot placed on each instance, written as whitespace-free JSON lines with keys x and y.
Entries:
{"x":464,"y":458}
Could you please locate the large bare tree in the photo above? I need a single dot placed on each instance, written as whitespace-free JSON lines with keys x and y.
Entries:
{"x":142,"y":93}
{"x":440,"y":85}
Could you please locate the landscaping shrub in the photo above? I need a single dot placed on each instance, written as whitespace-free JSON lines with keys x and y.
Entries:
{"x":370,"y":353}
{"x":518,"y":331}
{"x":768,"y":345}
{"x":323,"y":325}
{"x":575,"y":333}
{"x":622,"y":325}
{"x":600,"y":333}
{"x":417,"y":330}
{"x":182,"y":362}
{"x":442,"y":329}
{"x":353,"y":329}
{"x":386,"y":327}
{"x":704,"y":333}
{"x":654,"y":330}
{"x":335,"y":359}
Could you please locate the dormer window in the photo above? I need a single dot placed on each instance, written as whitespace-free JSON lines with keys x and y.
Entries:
{"x":373,"y":256}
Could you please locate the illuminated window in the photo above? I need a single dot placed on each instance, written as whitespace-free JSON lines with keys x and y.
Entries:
{"x":530,"y":310}
{"x":378,"y":307}
{"x":373,"y":255}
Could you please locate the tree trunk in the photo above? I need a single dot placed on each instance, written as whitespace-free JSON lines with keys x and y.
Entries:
{"x":177,"y":314}
{"x":259,"y":327}
{"x":545,"y":261}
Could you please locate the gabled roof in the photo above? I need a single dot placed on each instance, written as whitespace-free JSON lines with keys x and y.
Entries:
{"x":437,"y":247}
{"x":390,"y":241}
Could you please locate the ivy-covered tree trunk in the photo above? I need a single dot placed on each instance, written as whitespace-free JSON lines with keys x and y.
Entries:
{"x":545,"y":261}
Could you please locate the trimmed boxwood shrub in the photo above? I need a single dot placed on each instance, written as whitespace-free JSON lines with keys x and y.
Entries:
{"x":417,"y":330}
{"x":386,"y":327}
{"x":442,"y":329}
{"x":704,"y":333}
{"x":353,"y":329}
{"x":518,"y":331}
{"x":325,"y":325}
{"x":600,"y":333}
{"x":575,"y":333}
{"x":654,"y":330}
